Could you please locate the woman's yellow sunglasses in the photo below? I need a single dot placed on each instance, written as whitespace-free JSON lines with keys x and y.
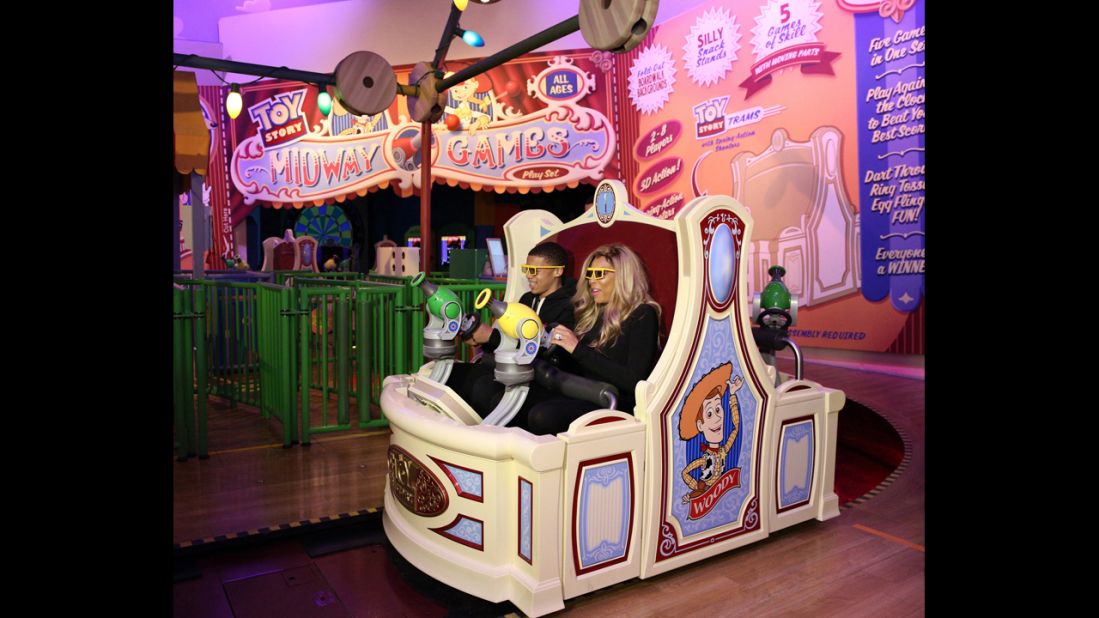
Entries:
{"x":531,"y":271}
{"x":595,"y":274}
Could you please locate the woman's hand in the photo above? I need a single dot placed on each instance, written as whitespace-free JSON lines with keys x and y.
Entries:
{"x":565,"y":338}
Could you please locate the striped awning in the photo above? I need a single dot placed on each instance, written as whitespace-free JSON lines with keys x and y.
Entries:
{"x":192,"y":138}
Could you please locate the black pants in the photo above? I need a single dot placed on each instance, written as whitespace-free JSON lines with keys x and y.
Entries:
{"x":544,"y":412}
{"x":477,"y":385}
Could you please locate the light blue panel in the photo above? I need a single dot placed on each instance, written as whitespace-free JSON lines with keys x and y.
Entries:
{"x":596,"y":480}
{"x":525,"y":524}
{"x":722,"y":262}
{"x":718,"y":346}
{"x":604,"y":201}
{"x":799,"y":437}
{"x":468,"y":530}
{"x":470,"y":482}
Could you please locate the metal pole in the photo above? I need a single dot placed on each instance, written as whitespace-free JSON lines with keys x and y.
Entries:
{"x":425,"y":146}
{"x":532,"y":42}
{"x":200,"y":229}
{"x":425,"y":197}
{"x":448,"y":35}
{"x":797,"y":356}
{"x":232,"y":66}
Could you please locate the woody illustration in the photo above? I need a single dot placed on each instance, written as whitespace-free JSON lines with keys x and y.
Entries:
{"x":703,"y":413}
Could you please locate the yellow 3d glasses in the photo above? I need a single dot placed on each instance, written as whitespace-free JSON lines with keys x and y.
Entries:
{"x":595,"y":274}
{"x":530,"y":270}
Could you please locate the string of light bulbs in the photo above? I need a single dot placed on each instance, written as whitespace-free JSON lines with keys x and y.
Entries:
{"x":234,"y":102}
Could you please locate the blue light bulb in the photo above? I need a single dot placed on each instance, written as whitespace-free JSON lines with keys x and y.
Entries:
{"x":473,"y":39}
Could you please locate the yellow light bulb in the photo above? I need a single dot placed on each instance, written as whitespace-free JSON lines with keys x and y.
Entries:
{"x":233,"y":102}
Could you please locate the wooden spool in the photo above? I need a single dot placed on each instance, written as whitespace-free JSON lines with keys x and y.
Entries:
{"x":365,"y":83}
{"x":616,"y":25}
{"x":429,"y":103}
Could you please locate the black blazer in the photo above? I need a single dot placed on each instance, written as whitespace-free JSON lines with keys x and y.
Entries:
{"x":628,"y":360}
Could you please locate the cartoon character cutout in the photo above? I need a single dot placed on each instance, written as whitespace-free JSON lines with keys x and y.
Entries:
{"x":712,"y":410}
{"x":346,"y":123}
{"x":470,"y":103}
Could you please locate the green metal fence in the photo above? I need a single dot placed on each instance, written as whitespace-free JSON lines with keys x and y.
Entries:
{"x":278,"y":320}
{"x":354,"y":338}
{"x":234,"y":350}
{"x":232,"y":337}
{"x":190,"y":371}
{"x":282,"y":276}
{"x":292,"y":348}
{"x":325,"y":354}
{"x":240,"y":341}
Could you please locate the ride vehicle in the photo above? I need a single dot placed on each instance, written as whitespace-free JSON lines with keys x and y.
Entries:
{"x":503,"y":514}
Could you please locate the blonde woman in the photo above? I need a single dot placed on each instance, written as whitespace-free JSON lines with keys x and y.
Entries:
{"x":617,"y":327}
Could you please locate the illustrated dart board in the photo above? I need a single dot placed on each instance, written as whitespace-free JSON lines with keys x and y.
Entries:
{"x":327,"y":224}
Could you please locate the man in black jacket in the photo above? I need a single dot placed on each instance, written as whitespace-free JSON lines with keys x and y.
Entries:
{"x":550,"y":292}
{"x":550,"y":296}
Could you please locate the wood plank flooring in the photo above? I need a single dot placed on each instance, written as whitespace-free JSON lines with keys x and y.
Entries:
{"x":868,"y":561}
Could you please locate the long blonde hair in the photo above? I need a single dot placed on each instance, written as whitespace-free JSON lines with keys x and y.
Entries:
{"x":631,"y":290}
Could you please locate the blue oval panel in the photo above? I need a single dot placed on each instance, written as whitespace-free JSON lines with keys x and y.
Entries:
{"x":722,"y":254}
{"x":563,"y":84}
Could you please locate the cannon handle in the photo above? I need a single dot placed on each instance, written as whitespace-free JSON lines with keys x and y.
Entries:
{"x":572,"y":385}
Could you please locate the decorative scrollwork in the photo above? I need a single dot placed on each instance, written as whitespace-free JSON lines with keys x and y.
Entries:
{"x":751,"y":519}
{"x":668,"y":543}
{"x":895,"y":9}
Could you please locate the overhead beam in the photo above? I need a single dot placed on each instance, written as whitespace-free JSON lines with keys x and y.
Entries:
{"x":530,"y":43}
{"x":247,"y":68}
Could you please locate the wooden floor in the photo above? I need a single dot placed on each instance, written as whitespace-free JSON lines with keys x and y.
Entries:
{"x":867,"y":561}
{"x":251,"y":483}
